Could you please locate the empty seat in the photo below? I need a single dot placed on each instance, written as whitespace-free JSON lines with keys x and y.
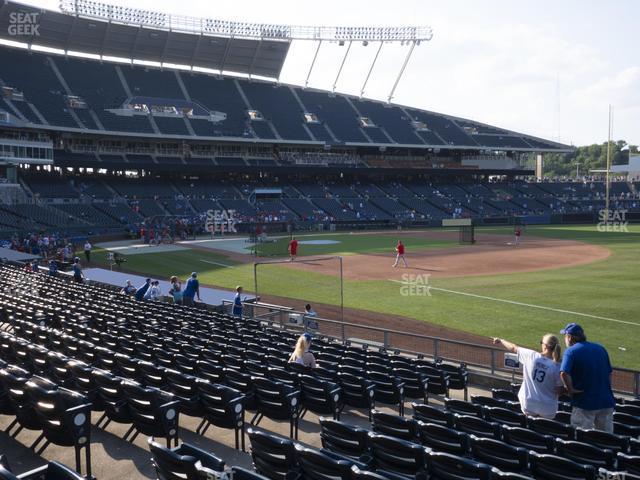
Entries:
{"x":629,"y":463}
{"x":223,"y":407}
{"x":394,"y":425}
{"x":552,"y":427}
{"x":443,"y":438}
{"x":501,"y":394}
{"x":416,"y":384}
{"x":320,"y":396}
{"x":447,"y":466}
{"x":317,"y":465}
{"x":393,"y":455}
{"x":438,"y":380}
{"x":601,"y":439}
{"x":344,"y":439}
{"x":50,"y":471}
{"x":430,"y":414}
{"x":552,"y":467}
{"x":521,"y":437}
{"x":585,"y":453}
{"x":273,"y":456}
{"x":477,"y":426}
{"x":462,"y":407}
{"x":458,"y":376}
{"x":276,"y":401}
{"x":499,"y":454}
{"x":239,"y":473}
{"x":359,"y":392}
{"x":153,"y":413}
{"x":504,"y":416}
{"x":389,"y":389}
{"x":185,"y":462}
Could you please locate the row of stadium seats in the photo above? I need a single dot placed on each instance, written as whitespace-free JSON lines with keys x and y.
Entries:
{"x":144,"y":364}
{"x":44,"y":80}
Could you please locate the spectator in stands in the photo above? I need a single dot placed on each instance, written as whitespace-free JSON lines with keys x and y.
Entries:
{"x":153,"y":293}
{"x":140,"y":292}
{"x":309,"y":312}
{"x":191,"y":290}
{"x":35,"y":265}
{"x":237,"y":303}
{"x":53,"y":268}
{"x":78,"y":276}
{"x":541,"y":382}
{"x":87,"y":250}
{"x":586,"y":374}
{"x":176,"y":290}
{"x":301,"y":353}
{"x":128,"y":288}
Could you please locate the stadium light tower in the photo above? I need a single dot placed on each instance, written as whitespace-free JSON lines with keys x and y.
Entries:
{"x":411,"y":36}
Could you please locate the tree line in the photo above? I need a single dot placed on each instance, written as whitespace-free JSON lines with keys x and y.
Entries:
{"x":586,"y":158}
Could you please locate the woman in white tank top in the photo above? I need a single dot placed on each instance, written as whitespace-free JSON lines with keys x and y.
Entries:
{"x":541,"y":382}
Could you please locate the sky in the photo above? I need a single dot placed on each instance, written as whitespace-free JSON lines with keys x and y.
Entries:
{"x":549,"y":68}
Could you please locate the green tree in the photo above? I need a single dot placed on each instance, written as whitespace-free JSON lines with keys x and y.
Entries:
{"x":586,"y":158}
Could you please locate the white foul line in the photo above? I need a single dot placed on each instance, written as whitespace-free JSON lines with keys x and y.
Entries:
{"x":541,"y":307}
{"x":216,"y":263}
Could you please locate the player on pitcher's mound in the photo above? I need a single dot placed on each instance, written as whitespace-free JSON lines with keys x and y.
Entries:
{"x":400,"y":254}
{"x":293,"y":248}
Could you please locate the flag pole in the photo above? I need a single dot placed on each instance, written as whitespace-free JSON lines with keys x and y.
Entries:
{"x":608,"y":179}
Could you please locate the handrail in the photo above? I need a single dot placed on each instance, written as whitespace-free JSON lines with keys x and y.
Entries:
{"x":625,"y":380}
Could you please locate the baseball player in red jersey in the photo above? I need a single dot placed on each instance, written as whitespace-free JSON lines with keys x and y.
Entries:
{"x":518,"y":233}
{"x":400,"y":254}
{"x":293,"y":248}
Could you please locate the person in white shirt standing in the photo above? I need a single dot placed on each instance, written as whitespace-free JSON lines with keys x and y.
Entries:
{"x":541,"y":383}
{"x":87,"y":251}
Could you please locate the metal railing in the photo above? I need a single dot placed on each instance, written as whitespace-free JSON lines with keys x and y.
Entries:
{"x":484,"y":357}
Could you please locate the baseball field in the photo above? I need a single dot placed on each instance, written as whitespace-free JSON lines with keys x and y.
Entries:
{"x":558,"y":274}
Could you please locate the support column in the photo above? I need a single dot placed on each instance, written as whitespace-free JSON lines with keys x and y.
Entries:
{"x":539,"y":166}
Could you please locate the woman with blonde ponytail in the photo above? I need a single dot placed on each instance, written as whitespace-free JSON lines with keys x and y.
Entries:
{"x":541,"y":382}
{"x":301,"y":353}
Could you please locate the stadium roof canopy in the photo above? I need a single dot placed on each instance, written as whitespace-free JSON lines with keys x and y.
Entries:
{"x":115,"y":38}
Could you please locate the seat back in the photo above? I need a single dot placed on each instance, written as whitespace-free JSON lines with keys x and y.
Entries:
{"x":430,"y":414}
{"x":552,"y":467}
{"x":499,"y":454}
{"x":273,"y":456}
{"x":584,"y":453}
{"x":462,"y":408}
{"x":343,"y":438}
{"x":320,"y":396}
{"x":629,"y":463}
{"x":504,"y":416}
{"x":522,"y":437}
{"x":170,"y":465}
{"x":617,"y":443}
{"x":316,"y":465}
{"x":477,"y":426}
{"x":443,"y":438}
{"x":446,"y":466}
{"x":395,"y":455}
{"x":552,"y":427}
{"x":274,"y":399}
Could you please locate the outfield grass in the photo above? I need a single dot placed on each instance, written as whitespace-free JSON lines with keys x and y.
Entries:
{"x":605,"y":288}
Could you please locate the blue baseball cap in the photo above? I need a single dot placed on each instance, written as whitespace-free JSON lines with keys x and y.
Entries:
{"x":572,"y":329}
{"x":307,"y":336}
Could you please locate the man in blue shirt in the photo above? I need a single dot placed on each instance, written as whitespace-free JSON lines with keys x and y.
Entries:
{"x":140,"y":292}
{"x":237,"y":303}
{"x":586,"y":374}
{"x":191,"y":290}
{"x":77,"y":271}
